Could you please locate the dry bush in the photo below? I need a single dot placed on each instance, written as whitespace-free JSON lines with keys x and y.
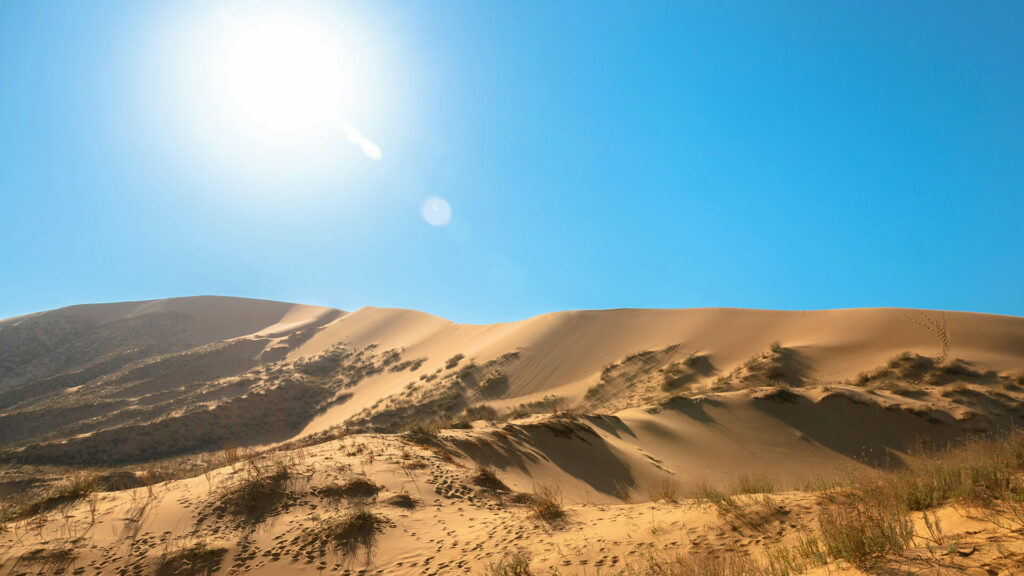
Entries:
{"x":359,"y":487}
{"x":511,"y":564}
{"x":453,"y":361}
{"x":259,"y":492}
{"x":481,"y":412}
{"x":864,"y":528}
{"x":485,"y":477}
{"x":348,"y":533}
{"x":402,"y":500}
{"x":546,"y":504}
{"x":191,"y":559}
{"x":422,"y":433}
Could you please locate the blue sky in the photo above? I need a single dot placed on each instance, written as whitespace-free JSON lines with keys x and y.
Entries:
{"x":794,"y":155}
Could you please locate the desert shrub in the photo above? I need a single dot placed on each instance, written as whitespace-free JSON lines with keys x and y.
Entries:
{"x":494,"y":384}
{"x":402,"y":500}
{"x":863,"y":528}
{"x":485,"y":477}
{"x":191,"y":559}
{"x":546,"y":504}
{"x":262,"y":488}
{"x":358,"y":487}
{"x":422,"y":433}
{"x":511,"y":564}
{"x":346,"y":534}
{"x":453,"y":361}
{"x":481,"y":412}
{"x":549,"y":403}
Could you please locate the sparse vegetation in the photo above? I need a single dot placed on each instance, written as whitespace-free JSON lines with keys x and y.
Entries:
{"x":453,"y":361}
{"x":359,"y":487}
{"x":666,"y":490}
{"x":422,"y":433}
{"x":261,"y":489}
{"x":546,"y":504}
{"x":63,"y":493}
{"x":511,"y":564}
{"x":191,"y":558}
{"x":485,"y":477}
{"x":346,"y":534}
{"x":494,"y":384}
{"x":864,"y":528}
{"x":402,"y":500}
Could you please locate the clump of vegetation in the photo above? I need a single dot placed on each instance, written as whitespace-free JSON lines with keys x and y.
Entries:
{"x":750,"y":484}
{"x":494,"y":384}
{"x":546,"y":504}
{"x":485,"y":477}
{"x":547,"y":404}
{"x":191,"y":559}
{"x":453,"y":361}
{"x":423,"y":433}
{"x":740,"y":511}
{"x":402,"y":500}
{"x":481,"y":412}
{"x":864,"y":528}
{"x":262,"y":488}
{"x":511,"y":564}
{"x":665,"y":490}
{"x":348,"y":533}
{"x":359,"y":487}
{"x":63,"y":493}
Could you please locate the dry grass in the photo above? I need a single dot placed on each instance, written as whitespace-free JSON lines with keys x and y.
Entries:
{"x":666,"y":489}
{"x":359,"y":487}
{"x":64,"y":493}
{"x":402,"y":500}
{"x":262,"y":488}
{"x":546,"y":504}
{"x":485,"y":477}
{"x":347,"y":534}
{"x":864,"y":528}
{"x":422,"y":433}
{"x":511,"y":564}
{"x":741,"y":511}
{"x":195,"y":558}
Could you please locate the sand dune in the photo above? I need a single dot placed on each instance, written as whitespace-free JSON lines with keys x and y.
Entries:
{"x":622,"y":416}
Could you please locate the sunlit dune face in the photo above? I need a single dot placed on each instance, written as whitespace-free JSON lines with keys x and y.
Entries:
{"x":281,"y":77}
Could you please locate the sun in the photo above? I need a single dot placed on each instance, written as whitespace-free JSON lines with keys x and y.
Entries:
{"x":281,"y":76}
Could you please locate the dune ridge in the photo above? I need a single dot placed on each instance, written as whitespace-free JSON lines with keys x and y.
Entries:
{"x":246,"y":436}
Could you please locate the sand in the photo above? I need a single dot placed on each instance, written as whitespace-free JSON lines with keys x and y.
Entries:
{"x":624,"y":415}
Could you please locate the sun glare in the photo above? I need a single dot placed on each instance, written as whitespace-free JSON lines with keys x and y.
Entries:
{"x":281,"y":77}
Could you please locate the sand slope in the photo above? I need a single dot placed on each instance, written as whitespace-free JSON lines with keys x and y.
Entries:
{"x":616,"y":412}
